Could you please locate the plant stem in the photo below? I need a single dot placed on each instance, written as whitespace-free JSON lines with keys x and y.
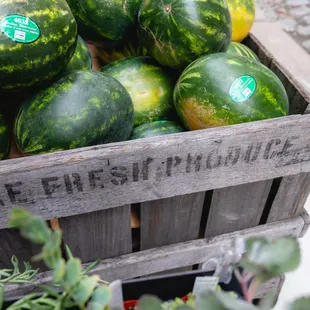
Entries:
{"x":244,"y":285}
{"x":252,"y":289}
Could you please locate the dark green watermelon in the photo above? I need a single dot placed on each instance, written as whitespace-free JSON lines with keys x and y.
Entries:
{"x":83,"y":108}
{"x":240,"y":49}
{"x":222,"y":89}
{"x":81,"y":59}
{"x":109,"y":20}
{"x":158,"y":128}
{"x":149,"y":85}
{"x":37,"y":40}
{"x":4,"y":137}
{"x":129,"y":48}
{"x":177,"y":32}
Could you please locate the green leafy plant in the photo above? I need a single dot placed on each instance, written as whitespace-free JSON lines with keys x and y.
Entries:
{"x":73,"y":288}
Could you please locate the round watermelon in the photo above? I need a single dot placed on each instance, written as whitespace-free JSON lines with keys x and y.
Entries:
{"x":83,"y":108}
{"x":37,"y":40}
{"x":240,"y":49}
{"x":242,"y":16}
{"x":176,"y":32}
{"x":158,"y":128}
{"x":109,"y":20}
{"x":81,"y":59}
{"x":223,"y":89}
{"x":149,"y":85}
{"x":130,"y":48}
{"x":4,"y":137}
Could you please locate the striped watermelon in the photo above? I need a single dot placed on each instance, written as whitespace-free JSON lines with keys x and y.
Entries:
{"x":83,"y":108}
{"x":109,"y":20}
{"x":4,"y":137}
{"x":37,"y":40}
{"x":149,"y":85}
{"x":176,"y":32}
{"x":240,"y":49}
{"x":81,"y":59}
{"x":158,"y":128}
{"x":222,"y":89}
{"x":130,"y":48}
{"x":242,"y":16}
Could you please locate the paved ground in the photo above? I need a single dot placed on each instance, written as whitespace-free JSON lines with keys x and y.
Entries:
{"x":292,"y":15}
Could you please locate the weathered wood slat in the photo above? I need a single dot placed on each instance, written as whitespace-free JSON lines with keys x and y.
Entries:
{"x":291,"y":197}
{"x":95,"y":178}
{"x":171,"y":220}
{"x":237,"y":207}
{"x":12,"y":243}
{"x":176,"y":255}
{"x":100,"y":234}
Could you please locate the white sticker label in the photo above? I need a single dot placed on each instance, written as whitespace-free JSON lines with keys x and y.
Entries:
{"x":203,"y":285}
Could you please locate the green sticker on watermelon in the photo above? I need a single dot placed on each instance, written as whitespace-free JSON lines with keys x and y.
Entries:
{"x":20,"y":28}
{"x":242,"y":89}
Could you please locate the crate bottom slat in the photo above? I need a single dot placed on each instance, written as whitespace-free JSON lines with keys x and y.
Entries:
{"x":177,"y":255}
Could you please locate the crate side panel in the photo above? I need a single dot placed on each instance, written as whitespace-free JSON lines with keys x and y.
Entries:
{"x":237,"y":207}
{"x":171,"y":220}
{"x":100,"y":234}
{"x":12,"y":243}
{"x":106,"y":176}
{"x":291,"y":197}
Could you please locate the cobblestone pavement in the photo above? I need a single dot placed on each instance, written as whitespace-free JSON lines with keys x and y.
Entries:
{"x":292,"y":15}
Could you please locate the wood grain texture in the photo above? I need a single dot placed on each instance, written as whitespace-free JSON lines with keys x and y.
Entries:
{"x":176,"y":255}
{"x":171,"y":220}
{"x":237,"y":207}
{"x":12,"y":243}
{"x":100,"y":234}
{"x":291,"y":197}
{"x":95,"y":178}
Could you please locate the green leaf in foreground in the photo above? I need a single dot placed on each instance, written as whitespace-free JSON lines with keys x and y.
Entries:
{"x":300,"y":304}
{"x":149,"y":303}
{"x":269,"y":259}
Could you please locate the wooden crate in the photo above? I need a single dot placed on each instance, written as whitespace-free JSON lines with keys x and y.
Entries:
{"x":192,"y":192}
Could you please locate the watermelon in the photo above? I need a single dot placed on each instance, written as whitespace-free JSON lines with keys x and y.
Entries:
{"x":177,"y":32}
{"x":222,"y":89}
{"x":83,"y":108}
{"x":4,"y":137}
{"x":130,"y":48}
{"x":109,"y":20}
{"x":242,"y":16}
{"x":149,"y":85}
{"x":158,"y":128}
{"x":37,"y":40}
{"x":240,"y":49}
{"x":81,"y":59}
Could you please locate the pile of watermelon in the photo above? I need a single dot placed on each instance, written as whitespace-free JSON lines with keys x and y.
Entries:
{"x":77,"y":73}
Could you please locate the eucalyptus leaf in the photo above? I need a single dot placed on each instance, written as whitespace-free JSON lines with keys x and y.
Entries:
{"x":73,"y":274}
{"x":300,"y":304}
{"x":102,"y":296}
{"x":149,"y":303}
{"x":210,"y":301}
{"x":36,"y":231}
{"x":19,"y":218}
{"x":269,"y":259}
{"x":84,"y":290}
{"x":59,"y":271}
